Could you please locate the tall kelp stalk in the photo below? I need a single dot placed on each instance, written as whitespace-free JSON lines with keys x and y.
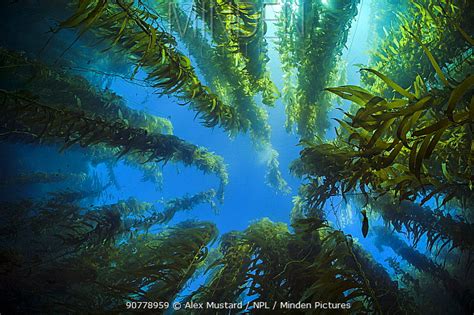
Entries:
{"x":185,"y":203}
{"x":440,"y":229}
{"x":238,"y":30}
{"x":443,"y":27}
{"x":268,"y":263}
{"x":22,"y":115}
{"x":84,"y":260}
{"x":227,"y":74}
{"x":312,"y":37}
{"x":53,"y":85}
{"x":459,"y":292}
{"x":426,"y":291}
{"x":130,"y":28}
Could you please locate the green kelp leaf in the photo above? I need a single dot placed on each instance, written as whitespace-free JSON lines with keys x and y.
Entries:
{"x":444,"y":123}
{"x":391,"y":84}
{"x":446,"y":174}
{"x":352,"y":93}
{"x":386,"y":162}
{"x":421,"y":155}
{"x":457,"y":94}
{"x":432,"y":59}
{"x":419,"y":86}
{"x":435,"y":141}
{"x":379,"y":132}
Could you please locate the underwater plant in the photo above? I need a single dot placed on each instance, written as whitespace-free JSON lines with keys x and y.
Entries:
{"x":126,"y":27}
{"x":22,"y":115}
{"x":84,"y":261}
{"x":401,"y":156}
{"x":418,"y":145}
{"x":418,"y":222}
{"x":311,"y":37}
{"x":442,"y":26}
{"x":273,"y":177}
{"x":267,"y":262}
{"x":238,"y":31}
{"x":461,"y":294}
{"x":234,"y":84}
{"x":55,"y":85}
{"x":185,"y":203}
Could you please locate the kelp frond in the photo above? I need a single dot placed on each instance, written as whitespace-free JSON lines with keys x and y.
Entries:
{"x":267,"y":262}
{"x":187,"y":203}
{"x":311,"y":37}
{"x":23,"y":115}
{"x":83,"y":260}
{"x":425,"y":25}
{"x":133,"y":29}
{"x":414,"y":146}
{"x":54,"y":85}
{"x":238,"y":30}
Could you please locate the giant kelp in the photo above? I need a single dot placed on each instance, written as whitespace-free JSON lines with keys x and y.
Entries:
{"x":403,"y":152}
{"x":442,"y":27}
{"x":55,"y":85}
{"x":21,"y":114}
{"x":238,"y":29}
{"x":83,"y":260}
{"x":234,"y":84}
{"x":185,"y":203}
{"x":314,"y":263}
{"x":439,"y":228}
{"x":123,"y":262}
{"x":126,"y":26}
{"x":459,"y":292}
{"x":311,"y":39}
{"x":418,"y":145}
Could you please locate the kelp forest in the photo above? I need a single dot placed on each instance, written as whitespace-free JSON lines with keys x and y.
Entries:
{"x":237,"y":157}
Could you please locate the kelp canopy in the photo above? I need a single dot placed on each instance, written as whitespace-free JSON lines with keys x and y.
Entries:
{"x":81,"y":234}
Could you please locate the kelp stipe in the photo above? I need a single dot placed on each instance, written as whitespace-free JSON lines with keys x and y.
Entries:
{"x":237,"y":85}
{"x":126,"y":26}
{"x":311,"y":39}
{"x":25,"y":116}
{"x":459,"y":292}
{"x":93,"y":259}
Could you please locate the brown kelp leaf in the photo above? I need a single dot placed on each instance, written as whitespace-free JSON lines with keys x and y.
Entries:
{"x":421,"y":155}
{"x":430,"y":56}
{"x":457,"y":94}
{"x":391,"y":84}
